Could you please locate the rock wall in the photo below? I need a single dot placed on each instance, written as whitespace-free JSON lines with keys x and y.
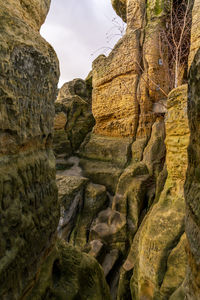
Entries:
{"x":74,"y":119}
{"x":125,"y":203}
{"x":120,"y":8}
{"x":121,"y":195}
{"x":128,"y":82}
{"x":29,"y":207}
{"x":157,"y":254}
{"x":195,"y":32}
{"x":192,"y":185}
{"x":129,"y":92}
{"x":34,"y":263}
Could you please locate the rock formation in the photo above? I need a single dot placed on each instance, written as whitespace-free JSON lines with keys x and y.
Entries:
{"x":136,"y":156}
{"x":192,"y":185}
{"x":120,"y":174}
{"x":34,"y":263}
{"x":157,"y":254}
{"x":74,"y":119}
{"x":29,"y":205}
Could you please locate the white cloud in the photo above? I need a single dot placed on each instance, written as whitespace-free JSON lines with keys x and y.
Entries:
{"x":77,"y":29}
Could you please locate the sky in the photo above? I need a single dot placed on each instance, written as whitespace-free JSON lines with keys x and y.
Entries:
{"x":79,"y":31}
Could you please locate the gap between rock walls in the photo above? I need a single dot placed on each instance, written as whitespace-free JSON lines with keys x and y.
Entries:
{"x":120,"y":221}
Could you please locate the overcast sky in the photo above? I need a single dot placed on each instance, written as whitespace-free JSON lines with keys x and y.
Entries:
{"x":77,"y":29}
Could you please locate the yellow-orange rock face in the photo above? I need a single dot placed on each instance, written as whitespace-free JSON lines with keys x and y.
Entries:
{"x":157,"y":254}
{"x":192,"y":185}
{"x":130,"y":79}
{"x":195,"y":32}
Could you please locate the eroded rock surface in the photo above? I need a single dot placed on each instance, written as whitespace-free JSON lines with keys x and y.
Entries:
{"x":120,"y":195}
{"x":29,"y":210}
{"x":138,"y":233}
{"x":69,"y":274}
{"x":161,"y":230}
{"x":73,"y":118}
{"x":34,"y":263}
{"x":192,"y":185}
{"x":130,"y":79}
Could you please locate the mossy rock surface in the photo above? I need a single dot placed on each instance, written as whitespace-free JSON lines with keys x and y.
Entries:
{"x":70,"y":274}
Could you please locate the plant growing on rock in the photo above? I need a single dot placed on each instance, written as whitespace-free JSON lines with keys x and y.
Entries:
{"x":175,"y":40}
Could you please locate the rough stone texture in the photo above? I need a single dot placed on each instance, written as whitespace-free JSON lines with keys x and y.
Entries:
{"x":156,"y":248}
{"x":94,"y":200}
{"x":120,"y":8}
{"x":29,"y":209}
{"x":125,"y":84}
{"x":125,"y":89}
{"x":100,"y":148}
{"x":192,"y":185}
{"x":195,"y":32}
{"x":70,"y":274}
{"x":104,"y":158}
{"x":73,"y":119}
{"x":70,"y":194}
{"x":144,"y":218}
{"x":126,"y":154}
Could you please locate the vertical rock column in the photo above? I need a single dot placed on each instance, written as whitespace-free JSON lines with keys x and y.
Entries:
{"x":157,"y":254}
{"x":192,"y":185}
{"x":29,"y":210}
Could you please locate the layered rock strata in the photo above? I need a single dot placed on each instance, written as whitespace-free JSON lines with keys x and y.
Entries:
{"x":73,"y":118}
{"x":34,"y":263}
{"x":29,"y":210}
{"x":67,"y":273}
{"x":129,"y":92}
{"x":138,"y":234}
{"x":195,"y":32}
{"x":157,"y":254}
{"x":192,"y":186}
{"x":121,"y":201}
{"x":130,"y":79}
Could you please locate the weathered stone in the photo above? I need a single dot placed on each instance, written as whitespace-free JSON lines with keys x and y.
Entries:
{"x":94,"y":200}
{"x":29,"y":210}
{"x":130,"y":80}
{"x":103,"y":159}
{"x":70,"y":274}
{"x":176,"y":269}
{"x":73,"y":118}
{"x":136,"y":188}
{"x":195,"y":32}
{"x":163,"y":226}
{"x":192,"y":185}
{"x":70,"y":194}
{"x":110,"y":228}
{"x":110,"y":260}
{"x":154,"y":153}
{"x":107,"y":149}
{"x":101,"y":172}
{"x":120,"y":8}
{"x":96,"y":248}
{"x":76,"y":87}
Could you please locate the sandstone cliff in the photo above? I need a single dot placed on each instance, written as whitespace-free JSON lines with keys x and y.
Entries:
{"x":29,"y":206}
{"x":192,"y":185}
{"x":120,"y":186}
{"x":125,"y":203}
{"x":34,"y":263}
